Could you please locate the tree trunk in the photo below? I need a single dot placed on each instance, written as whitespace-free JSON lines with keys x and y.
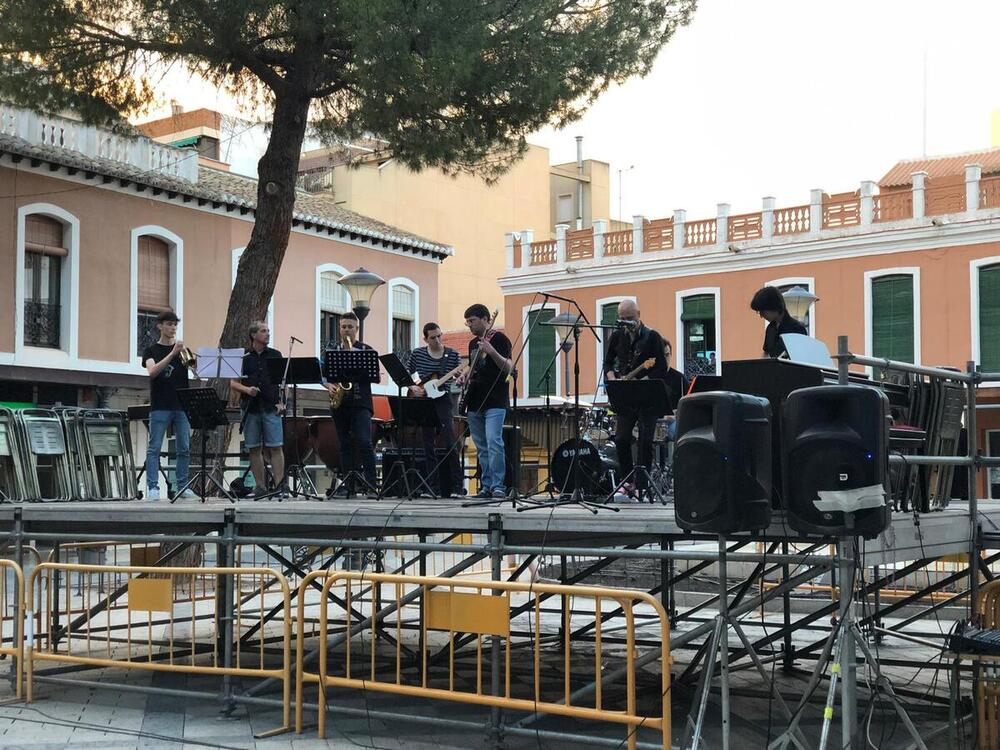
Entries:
{"x":260,"y":263}
{"x":258,"y":269}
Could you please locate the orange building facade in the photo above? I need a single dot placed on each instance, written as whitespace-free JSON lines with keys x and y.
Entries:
{"x":908,"y":268}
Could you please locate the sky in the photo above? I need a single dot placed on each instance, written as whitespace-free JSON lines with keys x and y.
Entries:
{"x":774,"y":97}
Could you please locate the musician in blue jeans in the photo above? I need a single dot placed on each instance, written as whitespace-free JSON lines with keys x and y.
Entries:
{"x":166,"y":376}
{"x":486,"y":397}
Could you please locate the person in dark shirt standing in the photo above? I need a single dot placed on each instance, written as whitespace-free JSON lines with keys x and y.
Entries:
{"x":486,"y":398}
{"x":437,"y":360}
{"x":769,"y":304}
{"x":677,"y":385}
{"x":262,"y":407}
{"x":630,"y":346}
{"x":166,"y":376}
{"x":353,"y":419}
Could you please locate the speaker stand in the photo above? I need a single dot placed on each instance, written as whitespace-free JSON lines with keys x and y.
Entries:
{"x":718,"y":646}
{"x":838,"y":654}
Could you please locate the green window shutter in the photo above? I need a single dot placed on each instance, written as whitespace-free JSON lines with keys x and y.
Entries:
{"x":989,"y":318}
{"x":609,"y":314}
{"x":541,"y":347}
{"x":892,"y":318}
{"x":699,"y":307}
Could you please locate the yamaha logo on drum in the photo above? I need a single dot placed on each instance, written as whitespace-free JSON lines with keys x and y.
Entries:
{"x":573,"y":452}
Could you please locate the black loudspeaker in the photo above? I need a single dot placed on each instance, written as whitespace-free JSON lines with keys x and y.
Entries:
{"x":722,"y":462}
{"x":835,"y":437}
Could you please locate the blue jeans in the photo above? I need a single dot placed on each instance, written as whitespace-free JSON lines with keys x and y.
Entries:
{"x":159,"y":420}
{"x":487,"y":433}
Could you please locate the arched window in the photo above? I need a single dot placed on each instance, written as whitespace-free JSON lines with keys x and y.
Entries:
{"x":404,"y":315}
{"x":334,"y":301}
{"x":45,"y":253}
{"x":154,"y":287}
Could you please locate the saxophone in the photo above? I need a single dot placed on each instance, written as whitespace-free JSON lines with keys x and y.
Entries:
{"x":340,"y":390}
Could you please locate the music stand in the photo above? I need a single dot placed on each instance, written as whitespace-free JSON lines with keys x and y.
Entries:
{"x":351,"y":366}
{"x":204,"y":410}
{"x":216,"y":362}
{"x":649,"y":396}
{"x":294,"y":371}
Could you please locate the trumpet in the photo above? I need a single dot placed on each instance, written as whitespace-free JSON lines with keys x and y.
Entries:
{"x":340,"y":390}
{"x":188,"y":358}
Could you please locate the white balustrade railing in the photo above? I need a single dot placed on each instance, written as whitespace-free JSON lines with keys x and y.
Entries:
{"x":61,"y":132}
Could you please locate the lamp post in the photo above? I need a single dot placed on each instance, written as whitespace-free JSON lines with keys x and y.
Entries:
{"x":621,"y":170}
{"x":566,"y":325}
{"x":798,"y":300}
{"x":361,"y":285}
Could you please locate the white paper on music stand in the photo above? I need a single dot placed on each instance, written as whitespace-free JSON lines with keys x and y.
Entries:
{"x":214,"y":362}
{"x":807,"y":350}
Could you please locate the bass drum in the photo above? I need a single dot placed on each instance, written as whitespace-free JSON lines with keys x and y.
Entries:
{"x":592,"y":472}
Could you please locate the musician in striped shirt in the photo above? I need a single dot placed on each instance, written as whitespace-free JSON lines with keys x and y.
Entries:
{"x":430,"y":362}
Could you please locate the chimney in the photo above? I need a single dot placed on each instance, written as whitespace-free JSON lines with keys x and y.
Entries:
{"x":579,"y":183}
{"x":176,"y":108}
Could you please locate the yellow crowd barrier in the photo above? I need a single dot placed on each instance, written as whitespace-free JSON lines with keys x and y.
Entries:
{"x":152,"y":622}
{"x":451,"y":614}
{"x":988,"y":702}
{"x":12,"y":618}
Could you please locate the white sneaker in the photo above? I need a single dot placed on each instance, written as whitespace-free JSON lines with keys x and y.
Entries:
{"x":153,"y":494}
{"x":188,"y":494}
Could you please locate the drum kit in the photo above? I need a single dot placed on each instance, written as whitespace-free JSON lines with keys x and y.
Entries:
{"x":595,"y":450}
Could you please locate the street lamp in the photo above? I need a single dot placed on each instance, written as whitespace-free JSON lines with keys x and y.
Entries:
{"x":361,"y":285}
{"x":566,"y":325}
{"x":798,"y":300}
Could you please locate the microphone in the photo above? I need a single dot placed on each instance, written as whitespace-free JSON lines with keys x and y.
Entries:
{"x":626,"y":323}
{"x":298,"y":341}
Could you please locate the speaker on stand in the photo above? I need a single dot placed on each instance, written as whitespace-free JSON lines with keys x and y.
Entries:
{"x":722,"y":462}
{"x":835,"y":445}
{"x":722,"y":485}
{"x":835,"y":457}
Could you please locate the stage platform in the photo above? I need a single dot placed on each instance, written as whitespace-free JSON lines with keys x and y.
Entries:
{"x":944,"y":532}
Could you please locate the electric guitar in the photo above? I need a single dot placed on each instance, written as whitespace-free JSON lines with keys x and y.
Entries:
{"x":640,"y":369}
{"x":474,"y":365}
{"x":433,"y":388}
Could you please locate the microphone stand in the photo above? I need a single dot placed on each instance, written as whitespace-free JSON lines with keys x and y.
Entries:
{"x":578,"y":495}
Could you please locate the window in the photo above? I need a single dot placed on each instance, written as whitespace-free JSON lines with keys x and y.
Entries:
{"x":541,"y":348}
{"x":989,"y":318}
{"x":892,"y":329}
{"x":807,"y":285}
{"x":698,"y":331}
{"x":609,"y":314}
{"x":154,"y":288}
{"x":564,"y":209}
{"x":403,"y":317}
{"x":334,"y":302}
{"x":44,"y":251}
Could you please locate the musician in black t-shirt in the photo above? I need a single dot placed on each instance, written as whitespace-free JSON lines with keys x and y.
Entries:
{"x":166,"y":376}
{"x":262,"y":409}
{"x":630,"y":348}
{"x":353,"y":419}
{"x":769,"y":304}
{"x":486,"y":398}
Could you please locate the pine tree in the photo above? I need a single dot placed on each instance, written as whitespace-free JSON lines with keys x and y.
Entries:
{"x":452,"y":84}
